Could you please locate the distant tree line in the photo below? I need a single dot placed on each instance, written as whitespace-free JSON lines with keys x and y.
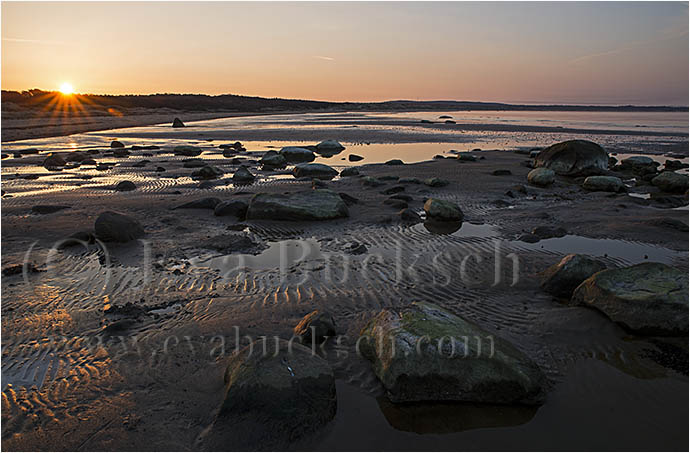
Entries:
{"x":36,"y":98}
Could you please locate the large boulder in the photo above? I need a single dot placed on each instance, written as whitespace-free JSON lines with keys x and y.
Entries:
{"x":574,"y":158}
{"x":671,"y":182}
{"x":271,"y":159}
{"x":647,"y":298}
{"x":318,"y":171}
{"x":115,"y":227}
{"x":319,"y":204}
{"x":541,"y":177}
{"x":603,"y":184}
{"x":177,"y":123}
{"x":243,"y":176}
{"x":116,"y":144}
{"x":276,"y":392}
{"x":442,"y":210}
{"x":186,"y":150}
{"x":426,"y":353}
{"x":562,"y":278}
{"x":296,"y":154}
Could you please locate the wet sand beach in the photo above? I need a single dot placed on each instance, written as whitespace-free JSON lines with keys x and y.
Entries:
{"x":110,"y":346}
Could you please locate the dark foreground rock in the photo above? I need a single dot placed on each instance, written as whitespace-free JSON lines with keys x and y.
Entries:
{"x":243,"y":176}
{"x":671,"y":182}
{"x":562,"y":278}
{"x":442,"y":210}
{"x":648,"y":298}
{"x":203,"y":203}
{"x":420,"y":354}
{"x":177,"y":123}
{"x":237,"y":208}
{"x":54,"y":161}
{"x":603,"y":184}
{"x":272,"y":399}
{"x":296,"y":154}
{"x":319,"y":204}
{"x":574,"y":158}
{"x":115,"y":227}
{"x":541,"y":177}
{"x":315,"y":327}
{"x":125,"y":186}
{"x":187,"y":150}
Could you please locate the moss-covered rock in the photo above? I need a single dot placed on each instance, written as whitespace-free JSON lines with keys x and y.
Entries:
{"x":648,"y":298}
{"x":319,"y":204}
{"x":442,"y":210}
{"x":426,"y":353}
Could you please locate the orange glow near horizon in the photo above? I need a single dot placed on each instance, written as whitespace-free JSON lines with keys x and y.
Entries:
{"x":517,"y":52}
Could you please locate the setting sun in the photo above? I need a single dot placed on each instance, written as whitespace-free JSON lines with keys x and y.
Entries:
{"x":66,"y":88}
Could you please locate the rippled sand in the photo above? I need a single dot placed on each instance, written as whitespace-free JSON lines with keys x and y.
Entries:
{"x":77,"y":374}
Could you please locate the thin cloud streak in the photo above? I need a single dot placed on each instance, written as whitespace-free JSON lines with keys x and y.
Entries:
{"x":34,"y":41}
{"x":321,"y":57}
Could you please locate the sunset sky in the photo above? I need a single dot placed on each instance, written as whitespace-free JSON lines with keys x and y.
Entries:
{"x":604,"y":53}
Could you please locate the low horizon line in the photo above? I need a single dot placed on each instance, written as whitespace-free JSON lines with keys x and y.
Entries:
{"x":514,"y":103}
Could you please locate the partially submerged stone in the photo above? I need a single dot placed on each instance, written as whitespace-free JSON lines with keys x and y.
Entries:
{"x":318,"y":204}
{"x":272,"y":159}
{"x":319,"y":171}
{"x":426,"y":353}
{"x":296,"y":154}
{"x":186,"y":150}
{"x":116,"y":144}
{"x":647,"y":298}
{"x":329,"y":147}
{"x":562,"y":278}
{"x":574,"y":158}
{"x":177,"y":123}
{"x":276,"y":392}
{"x":442,"y":210}
{"x":435,"y":182}
{"x":54,"y":161}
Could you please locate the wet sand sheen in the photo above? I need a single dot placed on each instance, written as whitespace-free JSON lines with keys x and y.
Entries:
{"x":114,"y":397}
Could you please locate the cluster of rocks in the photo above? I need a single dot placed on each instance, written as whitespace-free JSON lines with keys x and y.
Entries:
{"x":601,"y":172}
{"x":281,"y":390}
{"x":646,"y":299}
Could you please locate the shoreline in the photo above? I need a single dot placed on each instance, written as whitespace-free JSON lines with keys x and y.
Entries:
{"x":21,"y":129}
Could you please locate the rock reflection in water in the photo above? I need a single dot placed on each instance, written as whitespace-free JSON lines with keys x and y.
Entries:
{"x":444,"y":418}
